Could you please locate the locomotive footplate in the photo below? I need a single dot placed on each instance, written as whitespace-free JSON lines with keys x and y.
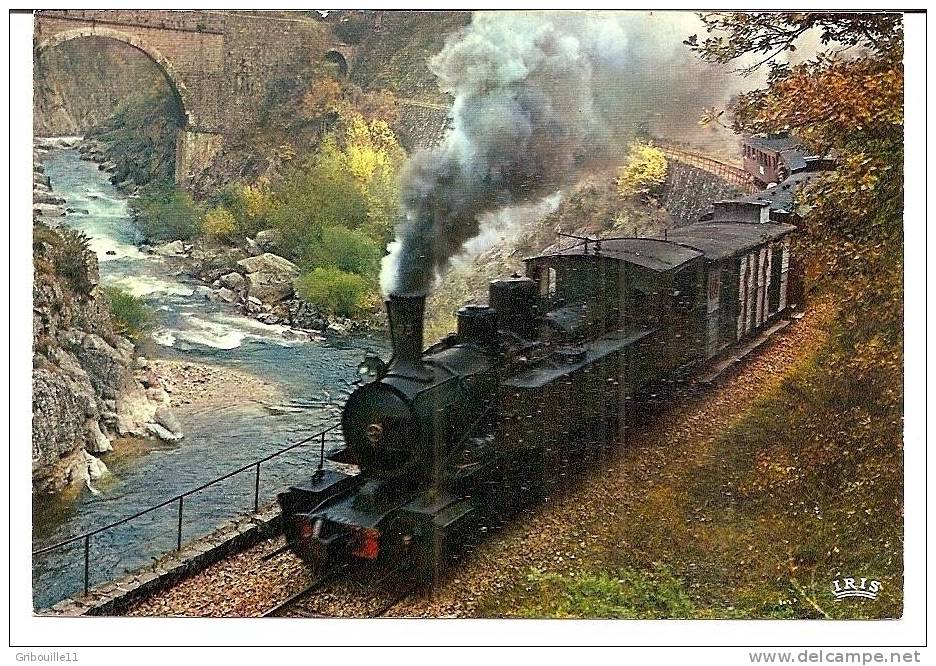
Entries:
{"x":441,"y":526}
{"x":324,"y":484}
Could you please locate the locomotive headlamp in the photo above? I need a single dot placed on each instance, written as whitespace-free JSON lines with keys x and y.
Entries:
{"x":374,"y":432}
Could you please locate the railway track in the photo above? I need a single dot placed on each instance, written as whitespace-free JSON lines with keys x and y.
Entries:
{"x":338,"y":593}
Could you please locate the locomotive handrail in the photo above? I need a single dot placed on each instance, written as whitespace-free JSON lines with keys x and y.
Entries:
{"x":180,"y":499}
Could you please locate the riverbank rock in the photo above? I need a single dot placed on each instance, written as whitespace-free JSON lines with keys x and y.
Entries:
{"x":268,"y":288}
{"x":203,"y":291}
{"x":250,"y":245}
{"x":306,"y":316}
{"x":162,"y":433}
{"x":227,"y":295}
{"x":172,"y":249}
{"x":234,"y":281}
{"x":269,"y":240}
{"x":47,"y":198}
{"x":97,"y":440}
{"x":269,"y":277}
{"x":209,"y":262}
{"x":168,"y":420}
{"x":270,"y":263}
{"x":48,"y":210}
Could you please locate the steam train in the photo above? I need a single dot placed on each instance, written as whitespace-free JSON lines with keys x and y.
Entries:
{"x":453,"y":440}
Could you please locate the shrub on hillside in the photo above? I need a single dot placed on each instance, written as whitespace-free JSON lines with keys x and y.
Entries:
{"x":219,"y":223}
{"x":643,"y":172}
{"x":128,"y":312}
{"x":332,"y":290}
{"x":342,"y":248}
{"x":167,"y":213}
{"x":249,"y":204}
{"x":311,"y":199}
{"x":72,"y":260}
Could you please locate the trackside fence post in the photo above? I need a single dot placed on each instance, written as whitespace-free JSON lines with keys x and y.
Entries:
{"x":257,"y":489}
{"x":85,"y":539}
{"x":179,"y":532}
{"x":87,"y":563}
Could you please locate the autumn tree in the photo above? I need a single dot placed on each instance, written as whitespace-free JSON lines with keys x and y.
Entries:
{"x":846,"y":101}
{"x":643,"y":171}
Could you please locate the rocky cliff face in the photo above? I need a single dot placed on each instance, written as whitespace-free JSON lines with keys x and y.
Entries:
{"x":89,"y":388}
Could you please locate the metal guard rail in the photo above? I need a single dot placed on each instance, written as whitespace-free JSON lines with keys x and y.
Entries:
{"x":180,"y":499}
{"x":729,"y":172}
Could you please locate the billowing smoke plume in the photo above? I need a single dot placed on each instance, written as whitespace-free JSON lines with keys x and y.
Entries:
{"x":538,"y":98}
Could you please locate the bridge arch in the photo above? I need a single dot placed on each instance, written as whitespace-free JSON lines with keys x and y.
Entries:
{"x":165,"y":66}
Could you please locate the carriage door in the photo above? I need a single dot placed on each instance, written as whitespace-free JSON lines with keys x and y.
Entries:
{"x":713,"y":311}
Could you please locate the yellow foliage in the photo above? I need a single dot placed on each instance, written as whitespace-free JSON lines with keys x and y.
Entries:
{"x":643,"y":171}
{"x":255,"y":200}
{"x":369,"y":148}
{"x":219,"y":223}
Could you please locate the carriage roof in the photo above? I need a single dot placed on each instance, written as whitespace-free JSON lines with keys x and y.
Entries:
{"x":714,"y":241}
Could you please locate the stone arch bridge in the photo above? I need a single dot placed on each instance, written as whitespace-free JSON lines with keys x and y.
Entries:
{"x":220,"y":64}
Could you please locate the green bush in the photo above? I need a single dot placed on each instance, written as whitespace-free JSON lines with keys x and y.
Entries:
{"x":342,"y":248}
{"x":73,"y":260}
{"x":332,"y":290}
{"x":129,"y":313}
{"x":168,"y":213}
{"x":313,"y":199}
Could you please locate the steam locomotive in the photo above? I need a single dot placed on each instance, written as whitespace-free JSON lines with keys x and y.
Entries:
{"x":453,"y":440}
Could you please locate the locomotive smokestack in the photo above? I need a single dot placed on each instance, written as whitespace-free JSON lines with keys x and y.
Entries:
{"x":405,"y":312}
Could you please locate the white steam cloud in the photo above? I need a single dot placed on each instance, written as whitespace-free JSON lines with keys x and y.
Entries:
{"x":539,"y":96}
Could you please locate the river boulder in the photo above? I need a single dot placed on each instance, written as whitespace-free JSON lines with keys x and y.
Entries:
{"x":269,"y":277}
{"x":269,"y":240}
{"x":97,"y":440}
{"x":250,"y":245}
{"x":168,"y":420}
{"x":234,"y":281}
{"x":162,"y":433}
{"x":268,"y":288}
{"x":46,"y":198}
{"x":270,"y":263}
{"x":203,"y":291}
{"x":48,"y":210}
{"x":171,"y":249}
{"x":227,"y":295}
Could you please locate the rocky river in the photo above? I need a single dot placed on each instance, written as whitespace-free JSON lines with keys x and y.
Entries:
{"x":242,"y":390}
